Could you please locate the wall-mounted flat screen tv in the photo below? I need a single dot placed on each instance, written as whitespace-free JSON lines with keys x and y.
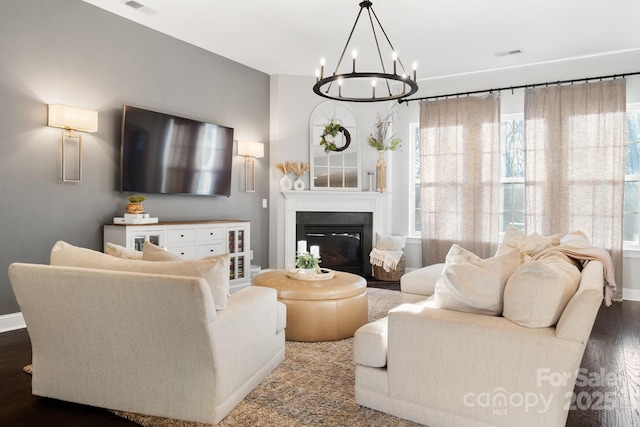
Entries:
{"x":166,"y":154}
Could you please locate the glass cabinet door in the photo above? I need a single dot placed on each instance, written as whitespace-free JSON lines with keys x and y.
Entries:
{"x":139,"y":239}
{"x":236,"y":245}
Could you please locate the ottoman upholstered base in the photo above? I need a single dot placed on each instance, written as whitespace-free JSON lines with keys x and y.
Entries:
{"x":323,"y":310}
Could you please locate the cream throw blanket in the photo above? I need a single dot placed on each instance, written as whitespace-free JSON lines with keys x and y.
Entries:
{"x":586,"y":254}
{"x":388,"y":260}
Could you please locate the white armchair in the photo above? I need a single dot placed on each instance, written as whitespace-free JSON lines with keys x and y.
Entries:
{"x":152,"y":344}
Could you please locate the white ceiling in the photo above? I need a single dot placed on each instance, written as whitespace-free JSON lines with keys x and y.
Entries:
{"x":444,"y":37}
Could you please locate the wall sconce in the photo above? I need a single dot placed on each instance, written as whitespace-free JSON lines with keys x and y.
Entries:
{"x":72,"y":119}
{"x":250,"y":151}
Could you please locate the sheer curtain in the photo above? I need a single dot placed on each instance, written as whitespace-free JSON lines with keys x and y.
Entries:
{"x":575,"y":163}
{"x":460,"y":175}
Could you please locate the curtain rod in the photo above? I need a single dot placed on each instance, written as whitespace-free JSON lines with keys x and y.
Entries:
{"x":512,"y":88}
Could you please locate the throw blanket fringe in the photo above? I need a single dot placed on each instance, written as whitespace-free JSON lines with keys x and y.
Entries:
{"x":586,"y":254}
{"x":388,"y":260}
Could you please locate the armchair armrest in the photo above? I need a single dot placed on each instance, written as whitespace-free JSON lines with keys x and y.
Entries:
{"x":248,"y":323}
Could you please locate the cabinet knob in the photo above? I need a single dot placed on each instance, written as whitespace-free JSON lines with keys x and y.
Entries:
{"x":182,"y":235}
{"x":181,"y":253}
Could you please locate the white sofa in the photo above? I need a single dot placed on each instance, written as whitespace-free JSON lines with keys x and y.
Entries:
{"x":147,"y":343}
{"x":442,"y":367}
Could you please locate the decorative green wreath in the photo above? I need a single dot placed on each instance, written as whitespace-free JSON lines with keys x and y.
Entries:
{"x":332,"y":129}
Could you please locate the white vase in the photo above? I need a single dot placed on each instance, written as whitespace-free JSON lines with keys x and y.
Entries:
{"x":285,"y":183}
{"x":298,"y":184}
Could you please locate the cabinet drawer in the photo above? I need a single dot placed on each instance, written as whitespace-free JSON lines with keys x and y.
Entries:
{"x":209,"y":250}
{"x":178,"y":236}
{"x":186,"y":252}
{"x":210,"y":234}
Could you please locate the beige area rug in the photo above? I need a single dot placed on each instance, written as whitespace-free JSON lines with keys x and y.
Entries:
{"x":314,"y":386}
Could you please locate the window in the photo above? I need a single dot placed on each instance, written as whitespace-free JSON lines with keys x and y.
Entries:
{"x":512,"y":176}
{"x":512,"y":172}
{"x":414,"y":178}
{"x":631,"y":230}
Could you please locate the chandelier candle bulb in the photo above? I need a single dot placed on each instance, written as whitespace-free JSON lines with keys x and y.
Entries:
{"x":373,"y":87}
{"x":340,"y":87}
{"x":354,"y":54}
{"x":395,"y":58}
{"x":415,"y":67}
{"x":321,"y":67}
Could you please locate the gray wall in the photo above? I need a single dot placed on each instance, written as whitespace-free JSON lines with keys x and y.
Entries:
{"x":69,"y":52}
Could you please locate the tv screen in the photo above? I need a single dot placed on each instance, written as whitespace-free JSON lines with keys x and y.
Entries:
{"x":166,"y":154}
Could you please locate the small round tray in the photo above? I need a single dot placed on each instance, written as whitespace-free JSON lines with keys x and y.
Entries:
{"x":325,"y":274}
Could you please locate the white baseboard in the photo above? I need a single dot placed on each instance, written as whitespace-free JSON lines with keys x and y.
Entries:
{"x":631,"y":294}
{"x":11,"y":322}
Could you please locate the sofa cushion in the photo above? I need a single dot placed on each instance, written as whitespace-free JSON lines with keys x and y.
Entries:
{"x":215,"y":270}
{"x":530,"y":245}
{"x":459,"y":255}
{"x":476,"y":287}
{"x":152,"y":252}
{"x":121,"y":252}
{"x":538,"y":291}
{"x":386,"y":242}
{"x":421,"y":281}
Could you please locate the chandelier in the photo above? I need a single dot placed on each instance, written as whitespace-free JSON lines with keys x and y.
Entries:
{"x":332,"y":86}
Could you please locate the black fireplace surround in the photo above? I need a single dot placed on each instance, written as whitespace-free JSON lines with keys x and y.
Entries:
{"x":345,"y":239}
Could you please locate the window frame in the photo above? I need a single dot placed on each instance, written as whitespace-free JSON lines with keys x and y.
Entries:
{"x":414,"y":161}
{"x":630,"y":245}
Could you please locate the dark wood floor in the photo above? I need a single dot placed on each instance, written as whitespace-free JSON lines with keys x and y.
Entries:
{"x":613,"y":350}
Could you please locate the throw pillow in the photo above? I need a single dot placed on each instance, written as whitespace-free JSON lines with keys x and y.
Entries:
{"x":386,"y":242}
{"x":537,"y":293}
{"x":459,"y":255}
{"x":121,"y":252}
{"x":476,"y":287}
{"x":215,"y":270}
{"x":530,"y":245}
{"x":421,"y":281}
{"x":577,"y":239}
{"x":152,"y":252}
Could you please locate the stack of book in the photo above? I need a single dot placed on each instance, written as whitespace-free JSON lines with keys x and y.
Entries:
{"x":128,"y":218}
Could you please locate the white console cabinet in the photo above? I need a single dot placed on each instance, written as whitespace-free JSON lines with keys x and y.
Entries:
{"x":193,"y":240}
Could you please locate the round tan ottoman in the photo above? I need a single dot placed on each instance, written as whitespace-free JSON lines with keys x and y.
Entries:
{"x":320,"y":310}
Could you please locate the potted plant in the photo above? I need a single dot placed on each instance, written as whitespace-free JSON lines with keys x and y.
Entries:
{"x":307,"y":263}
{"x":381,"y":142}
{"x":135,"y":204}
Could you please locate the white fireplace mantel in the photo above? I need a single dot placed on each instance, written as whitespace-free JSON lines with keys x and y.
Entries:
{"x":330,"y":201}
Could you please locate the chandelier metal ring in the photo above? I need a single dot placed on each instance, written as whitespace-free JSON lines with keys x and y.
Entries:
{"x":320,"y":84}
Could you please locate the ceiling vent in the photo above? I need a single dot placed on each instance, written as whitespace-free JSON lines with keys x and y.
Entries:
{"x":507,"y":53}
{"x":140,"y":7}
{"x":134,"y":4}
